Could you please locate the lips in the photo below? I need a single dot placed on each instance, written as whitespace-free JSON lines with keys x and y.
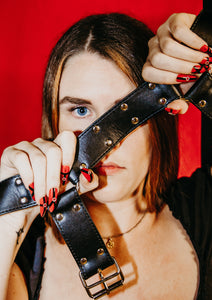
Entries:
{"x":107,"y":168}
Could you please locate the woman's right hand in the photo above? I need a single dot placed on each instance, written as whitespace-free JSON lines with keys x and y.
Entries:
{"x":39,"y":164}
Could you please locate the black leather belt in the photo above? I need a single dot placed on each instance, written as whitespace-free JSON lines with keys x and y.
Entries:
{"x":71,"y":216}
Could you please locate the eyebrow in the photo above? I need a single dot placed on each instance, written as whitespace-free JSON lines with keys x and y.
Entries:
{"x":74,"y":100}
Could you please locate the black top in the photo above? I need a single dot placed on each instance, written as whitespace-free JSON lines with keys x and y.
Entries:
{"x":190,"y":200}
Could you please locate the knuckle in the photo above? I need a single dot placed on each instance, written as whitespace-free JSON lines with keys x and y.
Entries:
{"x":166,"y":46}
{"x":38,"y":158}
{"x":67,"y":135}
{"x":156,"y":59}
{"x":53,"y":151}
{"x":146,"y":73}
{"x":177,"y":30}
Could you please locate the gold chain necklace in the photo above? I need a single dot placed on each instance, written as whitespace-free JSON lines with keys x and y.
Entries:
{"x":110,"y":242}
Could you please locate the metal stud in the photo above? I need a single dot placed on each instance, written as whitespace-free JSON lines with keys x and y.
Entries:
{"x":124,"y":106}
{"x":162,"y":101}
{"x":23,"y":200}
{"x":151,"y":85}
{"x":202,"y":103}
{"x":18,"y":181}
{"x":134,"y":120}
{"x":59,"y":217}
{"x":83,"y":166}
{"x":76,"y":207}
{"x":100,"y":251}
{"x":108,"y":142}
{"x":83,"y":261}
{"x":96,"y":129}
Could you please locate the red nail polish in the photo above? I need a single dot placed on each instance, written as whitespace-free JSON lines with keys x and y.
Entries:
{"x":43,"y":206}
{"x":196,"y":69}
{"x":186,"y":78}
{"x":87,"y":174}
{"x":172,"y":111}
{"x":64,"y":174}
{"x":204,"y":48}
{"x":31,"y":189}
{"x":205,"y":61}
{"x":52,"y":201}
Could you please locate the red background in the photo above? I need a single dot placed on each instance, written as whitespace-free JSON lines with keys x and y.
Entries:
{"x":29,"y":30}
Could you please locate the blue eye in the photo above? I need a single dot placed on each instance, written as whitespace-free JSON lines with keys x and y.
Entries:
{"x":81,"y":111}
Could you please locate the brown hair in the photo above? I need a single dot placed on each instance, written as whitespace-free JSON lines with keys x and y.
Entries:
{"x":125,"y":41}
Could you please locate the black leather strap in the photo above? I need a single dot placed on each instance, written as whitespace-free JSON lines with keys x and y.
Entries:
{"x":80,"y":234}
{"x":135,"y":109}
{"x":202,"y":26}
{"x":14,"y":196}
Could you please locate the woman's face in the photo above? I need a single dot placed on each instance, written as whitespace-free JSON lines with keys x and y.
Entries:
{"x":90,"y":85}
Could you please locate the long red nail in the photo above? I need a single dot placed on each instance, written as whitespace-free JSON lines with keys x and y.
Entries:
{"x":199,"y":69}
{"x":186,"y":78}
{"x":64,"y":174}
{"x":172,"y":111}
{"x":87,"y":173}
{"x":31,"y":189}
{"x":206,"y":49}
{"x":43,"y":206}
{"x":52,"y":201}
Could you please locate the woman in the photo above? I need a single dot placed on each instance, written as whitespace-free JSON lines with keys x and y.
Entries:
{"x":94,"y":65}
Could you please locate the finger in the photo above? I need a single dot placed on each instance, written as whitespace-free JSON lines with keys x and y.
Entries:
{"x":31,"y":165}
{"x":53,"y":163}
{"x":66,"y":140}
{"x":179,"y":27}
{"x":88,"y":181}
{"x":177,"y":107}
{"x":164,"y":62}
{"x":155,"y":75}
{"x":16,"y":161}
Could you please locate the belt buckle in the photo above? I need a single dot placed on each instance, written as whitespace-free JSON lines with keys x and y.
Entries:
{"x":103,"y":281}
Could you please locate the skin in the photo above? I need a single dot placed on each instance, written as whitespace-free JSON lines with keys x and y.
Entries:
{"x":115,"y":200}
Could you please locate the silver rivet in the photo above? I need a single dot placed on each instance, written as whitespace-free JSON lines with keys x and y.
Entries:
{"x":124,"y":106}
{"x":76,"y":207}
{"x":83,"y":261}
{"x":134,"y":120}
{"x":162,"y":101}
{"x":202,"y":103}
{"x":100,"y":251}
{"x":59,"y":217}
{"x":83,"y":166}
{"x":151,"y":85}
{"x":108,"y":142}
{"x":96,"y":129}
{"x":23,"y":200}
{"x":18,"y":181}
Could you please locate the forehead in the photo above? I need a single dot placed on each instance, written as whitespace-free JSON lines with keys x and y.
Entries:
{"x":90,"y":76}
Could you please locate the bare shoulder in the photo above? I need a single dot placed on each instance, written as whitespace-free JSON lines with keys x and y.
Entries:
{"x":17,"y":288}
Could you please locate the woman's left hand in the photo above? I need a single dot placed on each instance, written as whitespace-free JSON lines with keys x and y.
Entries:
{"x":176,"y":55}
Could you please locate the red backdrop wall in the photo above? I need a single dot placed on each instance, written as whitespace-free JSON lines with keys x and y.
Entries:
{"x":29,"y":30}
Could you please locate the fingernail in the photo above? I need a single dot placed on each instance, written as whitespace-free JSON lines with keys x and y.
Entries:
{"x":172,"y":111}
{"x":87,"y":173}
{"x":52,"y":201}
{"x":31,"y":189}
{"x":186,"y":78}
{"x":64,"y":174}
{"x":204,"y":48}
{"x":43,"y":206}
{"x":201,"y":68}
{"x":205,"y":61}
